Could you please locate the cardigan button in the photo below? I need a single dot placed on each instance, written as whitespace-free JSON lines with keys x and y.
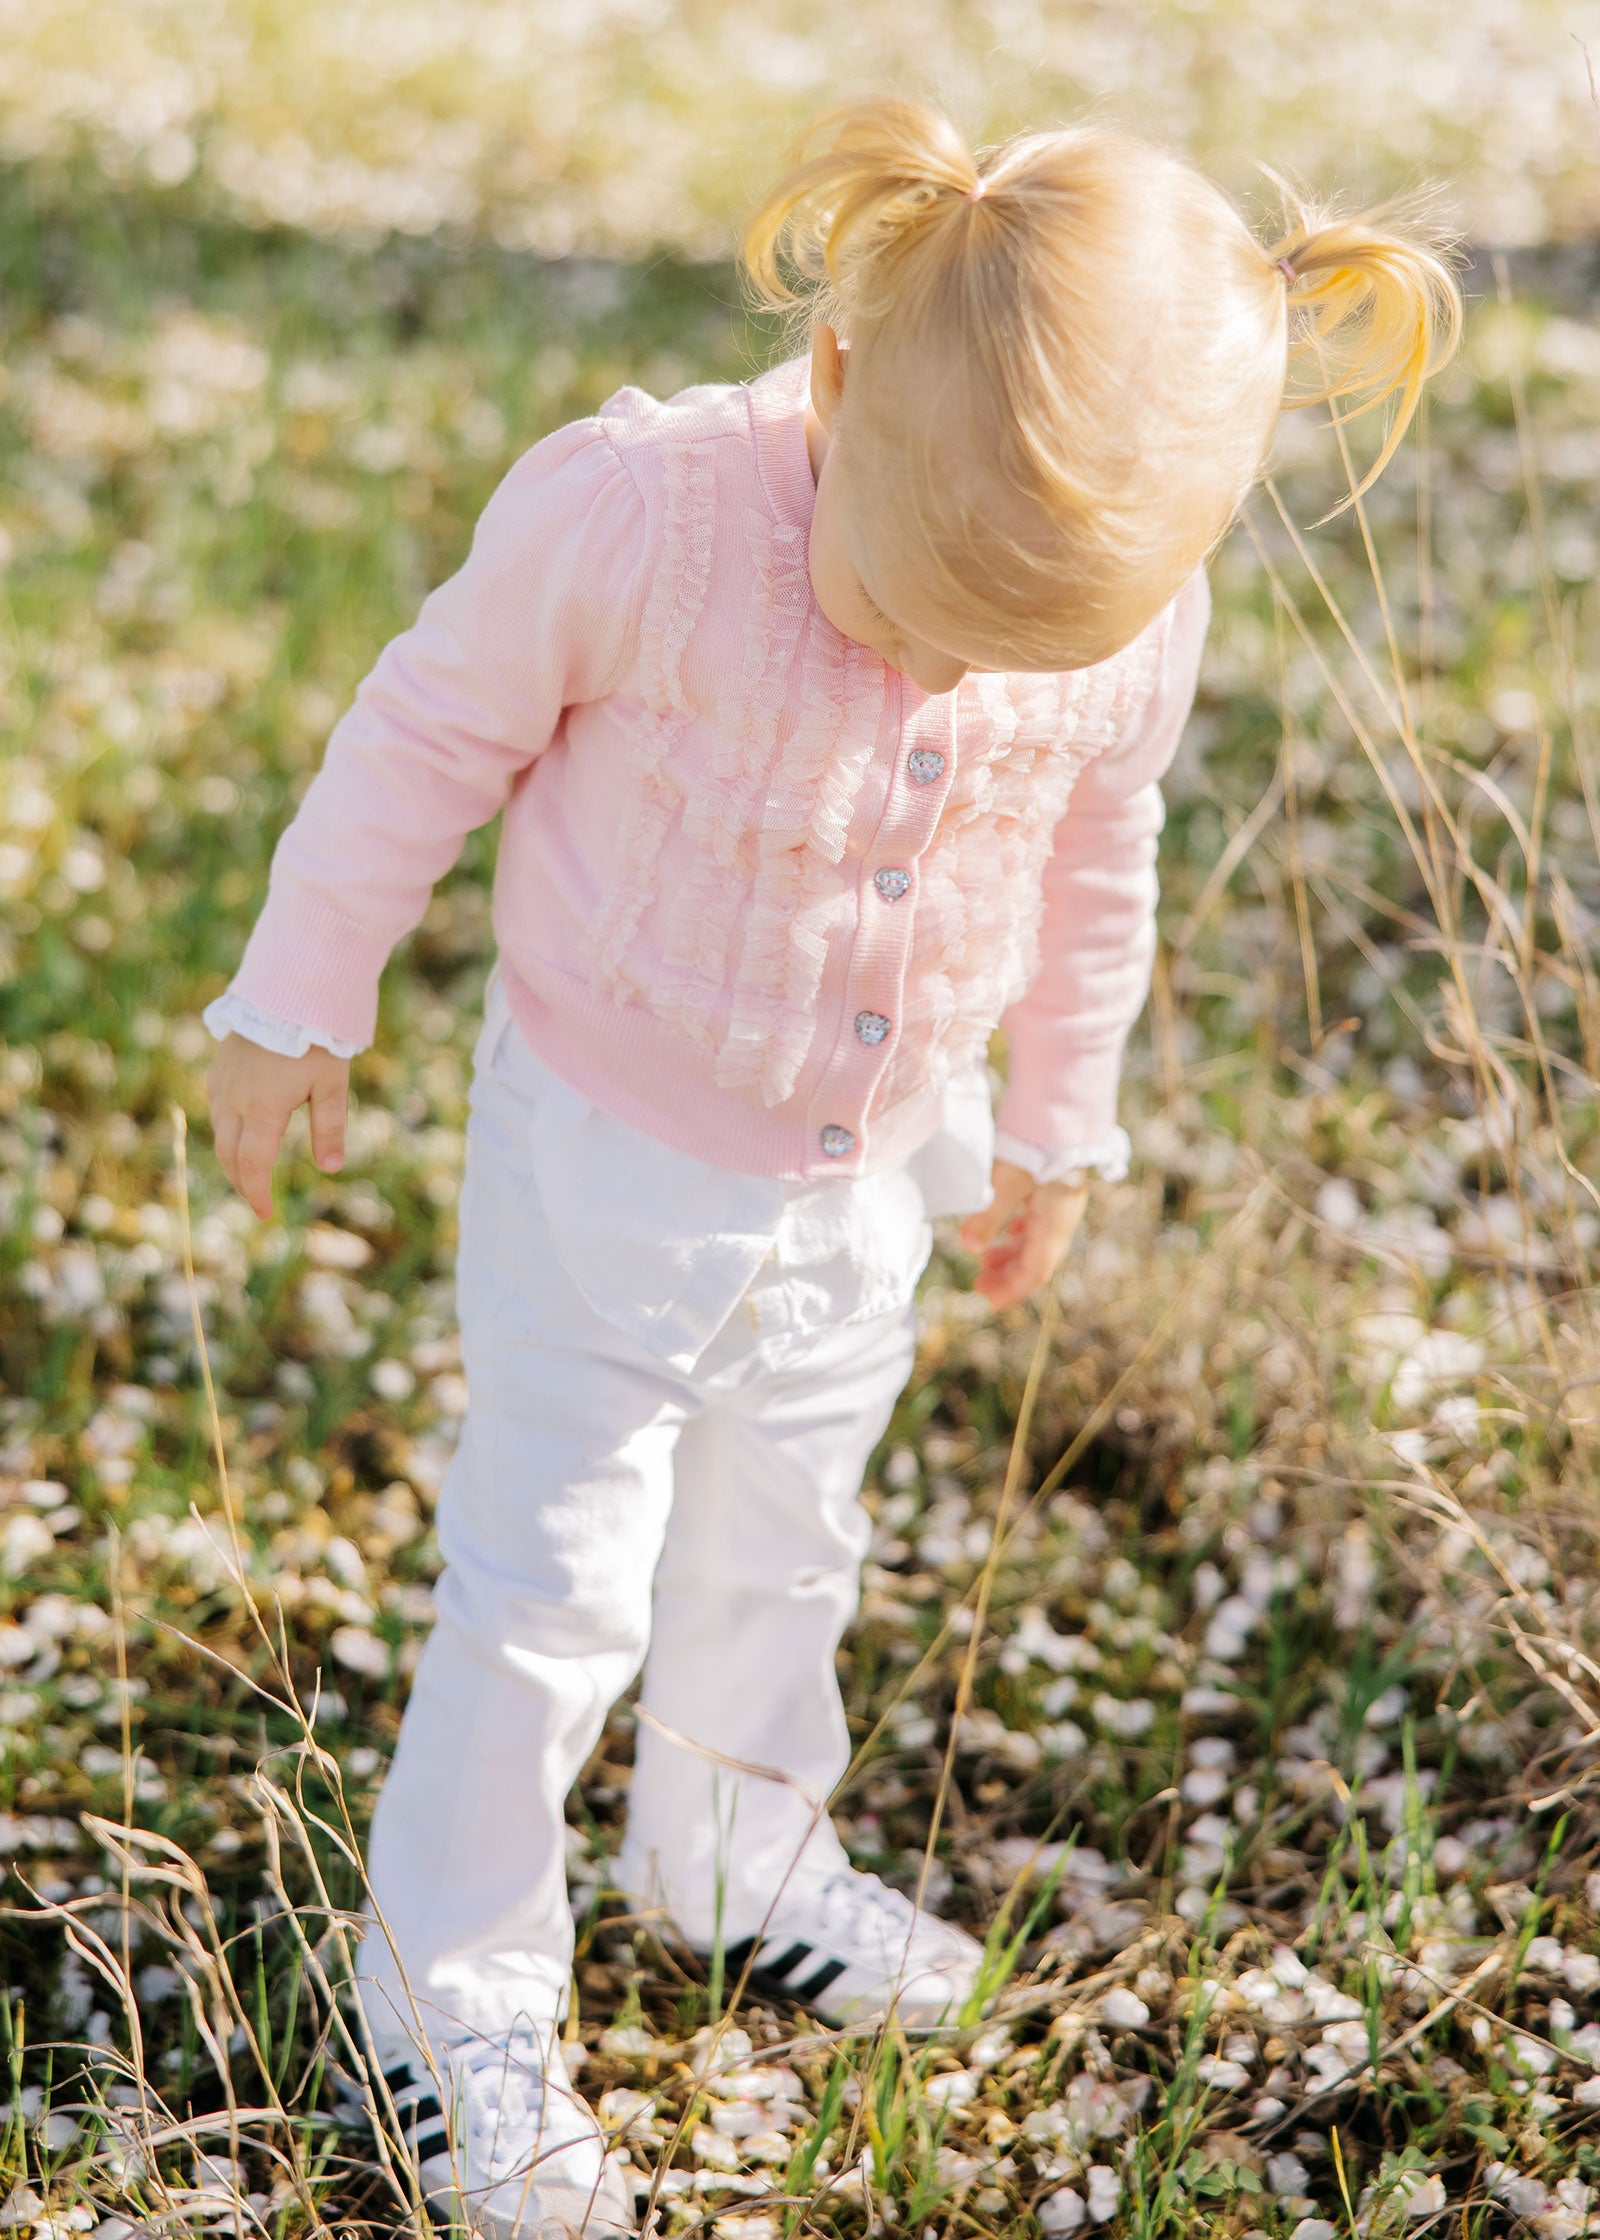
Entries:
{"x":925,"y":764}
{"x":892,"y":883}
{"x":837,"y":1142}
{"x":872,"y":1026}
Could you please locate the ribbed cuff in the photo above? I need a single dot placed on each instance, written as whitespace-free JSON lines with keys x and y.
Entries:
{"x":309,"y":962}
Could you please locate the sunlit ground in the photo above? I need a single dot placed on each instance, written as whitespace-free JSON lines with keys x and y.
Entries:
{"x":1287,"y":1635}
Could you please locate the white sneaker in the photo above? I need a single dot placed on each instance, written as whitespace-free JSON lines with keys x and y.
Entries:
{"x":853,"y":1948}
{"x":529,"y":2160}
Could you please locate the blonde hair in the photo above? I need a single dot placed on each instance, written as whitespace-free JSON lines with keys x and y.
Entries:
{"x":1108,"y":338}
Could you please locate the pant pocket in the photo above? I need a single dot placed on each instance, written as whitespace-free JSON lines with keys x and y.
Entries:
{"x":496,"y":1021}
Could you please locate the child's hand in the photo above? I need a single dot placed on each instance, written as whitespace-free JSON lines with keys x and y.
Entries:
{"x":1026,"y":1227}
{"x":253,"y":1092}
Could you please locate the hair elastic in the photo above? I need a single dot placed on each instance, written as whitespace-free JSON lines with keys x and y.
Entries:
{"x":1287,"y":269}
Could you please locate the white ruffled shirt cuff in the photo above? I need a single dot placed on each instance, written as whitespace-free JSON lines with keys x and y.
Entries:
{"x":230,"y":1014}
{"x":1108,"y":1157}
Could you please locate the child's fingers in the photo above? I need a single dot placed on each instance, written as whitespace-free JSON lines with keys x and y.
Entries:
{"x":1002,"y":1278}
{"x":1015,"y":1274}
{"x":328,"y":1102}
{"x":1011,"y":1186}
{"x":1016,"y":1266}
{"x":225,"y":1135}
{"x":258,"y":1148}
{"x":998,"y":1263}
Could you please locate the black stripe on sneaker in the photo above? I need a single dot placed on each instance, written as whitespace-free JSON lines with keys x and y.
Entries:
{"x":425,"y":2110}
{"x":430,"y":2144}
{"x":814,"y":1986}
{"x":401,"y":2078}
{"x":733,"y":1960}
{"x":783,"y":1967}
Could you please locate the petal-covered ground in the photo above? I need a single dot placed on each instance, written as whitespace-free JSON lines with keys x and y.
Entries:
{"x":1255,"y":1724}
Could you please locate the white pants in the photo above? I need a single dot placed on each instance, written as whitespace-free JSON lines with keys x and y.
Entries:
{"x":603,"y":1502}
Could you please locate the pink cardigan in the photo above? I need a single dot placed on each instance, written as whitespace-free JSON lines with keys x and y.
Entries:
{"x":756,"y":893}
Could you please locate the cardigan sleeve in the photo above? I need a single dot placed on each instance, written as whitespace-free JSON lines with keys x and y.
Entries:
{"x":541,"y":615}
{"x":1065,"y":1035}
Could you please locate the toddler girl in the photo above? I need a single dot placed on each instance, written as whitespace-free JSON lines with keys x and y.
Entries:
{"x":826,"y":714}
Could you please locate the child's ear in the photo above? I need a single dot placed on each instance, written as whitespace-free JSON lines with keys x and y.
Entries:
{"x":828,"y":356}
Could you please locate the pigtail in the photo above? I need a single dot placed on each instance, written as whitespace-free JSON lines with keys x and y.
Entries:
{"x":880,"y":172}
{"x":1387,"y":301}
{"x":1092,"y":328}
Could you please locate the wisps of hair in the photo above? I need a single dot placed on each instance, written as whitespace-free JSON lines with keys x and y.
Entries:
{"x":885,"y":164}
{"x":1384,"y":293}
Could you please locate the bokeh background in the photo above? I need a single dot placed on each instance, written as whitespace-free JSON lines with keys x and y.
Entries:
{"x":623,"y":129}
{"x":1256,"y":1726}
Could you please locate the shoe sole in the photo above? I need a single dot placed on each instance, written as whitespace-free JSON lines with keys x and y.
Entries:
{"x":435,"y":2189}
{"x":599,"y":2220}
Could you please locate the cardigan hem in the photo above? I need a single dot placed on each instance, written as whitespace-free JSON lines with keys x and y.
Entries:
{"x":626,"y":1062}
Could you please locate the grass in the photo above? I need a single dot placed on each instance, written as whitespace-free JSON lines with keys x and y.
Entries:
{"x":1228,"y":1643}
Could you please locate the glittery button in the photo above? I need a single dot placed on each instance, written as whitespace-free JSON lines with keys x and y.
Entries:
{"x":891,"y":884}
{"x":925,"y":765}
{"x":837,"y":1142}
{"x":872,"y":1026}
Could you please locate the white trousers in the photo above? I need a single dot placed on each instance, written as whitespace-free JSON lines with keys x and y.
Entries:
{"x":604,"y":1503}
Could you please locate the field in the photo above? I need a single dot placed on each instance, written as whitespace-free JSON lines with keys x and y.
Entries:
{"x":1230,"y":1649}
